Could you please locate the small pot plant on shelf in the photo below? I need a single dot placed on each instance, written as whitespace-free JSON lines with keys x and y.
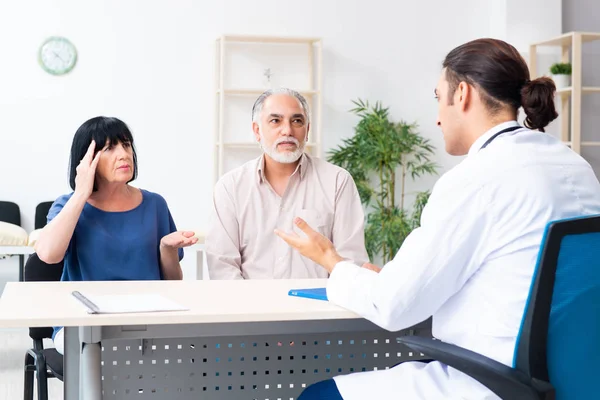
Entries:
{"x":561,"y":74}
{"x":381,"y":156}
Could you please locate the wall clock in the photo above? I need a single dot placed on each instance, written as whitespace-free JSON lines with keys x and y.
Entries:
{"x":57,"y":55}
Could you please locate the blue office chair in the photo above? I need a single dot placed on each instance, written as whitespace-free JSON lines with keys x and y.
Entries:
{"x":557,"y":355}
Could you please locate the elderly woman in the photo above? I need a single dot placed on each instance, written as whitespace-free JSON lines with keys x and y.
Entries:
{"x":107,"y":229}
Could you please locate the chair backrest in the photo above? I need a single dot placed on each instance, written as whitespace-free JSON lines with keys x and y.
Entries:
{"x":41,"y":214}
{"x":10,"y":212}
{"x":559,"y":340}
{"x":37,"y":271}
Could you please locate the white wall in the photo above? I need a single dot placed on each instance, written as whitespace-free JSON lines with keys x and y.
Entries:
{"x":524,"y":22}
{"x":151,"y":64}
{"x":583,"y":16}
{"x":533,"y":21}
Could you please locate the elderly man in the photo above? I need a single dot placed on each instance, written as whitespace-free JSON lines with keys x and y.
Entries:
{"x":265,"y":194}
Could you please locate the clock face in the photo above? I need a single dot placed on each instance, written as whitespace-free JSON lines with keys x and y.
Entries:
{"x":57,"y":56}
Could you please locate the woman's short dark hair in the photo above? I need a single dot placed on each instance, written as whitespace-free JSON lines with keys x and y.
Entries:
{"x":501,"y":75}
{"x":101,"y":130}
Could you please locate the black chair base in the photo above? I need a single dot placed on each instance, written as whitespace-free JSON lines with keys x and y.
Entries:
{"x":41,"y":365}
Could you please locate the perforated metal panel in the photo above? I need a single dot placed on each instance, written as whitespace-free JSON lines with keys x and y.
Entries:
{"x":265,"y":367}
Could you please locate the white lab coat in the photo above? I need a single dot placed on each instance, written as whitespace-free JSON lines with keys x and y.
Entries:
{"x":471,"y":262}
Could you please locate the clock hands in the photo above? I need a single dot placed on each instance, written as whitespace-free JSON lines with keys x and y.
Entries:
{"x":58,"y":56}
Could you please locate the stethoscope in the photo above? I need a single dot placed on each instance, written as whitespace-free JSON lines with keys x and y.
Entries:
{"x":509,"y":129}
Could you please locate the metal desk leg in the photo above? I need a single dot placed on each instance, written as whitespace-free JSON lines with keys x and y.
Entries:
{"x":91,"y":372}
{"x":91,"y":368}
{"x":71,"y":363}
{"x":21,"y":267}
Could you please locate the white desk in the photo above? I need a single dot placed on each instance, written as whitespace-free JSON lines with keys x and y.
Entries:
{"x":240,"y":339}
{"x":199,"y":249}
{"x":21,"y":251}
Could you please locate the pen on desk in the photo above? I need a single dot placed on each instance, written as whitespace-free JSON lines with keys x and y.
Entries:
{"x":87,"y":302}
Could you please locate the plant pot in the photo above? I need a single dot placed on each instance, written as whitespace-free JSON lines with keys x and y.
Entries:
{"x":562,"y":81}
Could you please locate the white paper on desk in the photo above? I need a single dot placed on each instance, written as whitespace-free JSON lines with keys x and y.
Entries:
{"x":132,"y":303}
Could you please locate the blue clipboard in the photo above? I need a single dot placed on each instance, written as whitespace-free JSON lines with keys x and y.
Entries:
{"x":317,"y":293}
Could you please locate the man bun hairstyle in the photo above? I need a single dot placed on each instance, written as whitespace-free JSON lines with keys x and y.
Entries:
{"x":497,"y":70}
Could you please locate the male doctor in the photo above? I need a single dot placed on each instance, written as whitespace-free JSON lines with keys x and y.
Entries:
{"x":471,"y":262}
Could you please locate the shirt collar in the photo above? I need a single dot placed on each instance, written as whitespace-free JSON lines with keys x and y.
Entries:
{"x":475,"y":147}
{"x":302,"y":167}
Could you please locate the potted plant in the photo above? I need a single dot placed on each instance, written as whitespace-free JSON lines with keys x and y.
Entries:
{"x":561,"y":74}
{"x":380,"y":155}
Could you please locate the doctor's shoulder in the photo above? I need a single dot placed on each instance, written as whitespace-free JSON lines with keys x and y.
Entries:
{"x":461,"y":175}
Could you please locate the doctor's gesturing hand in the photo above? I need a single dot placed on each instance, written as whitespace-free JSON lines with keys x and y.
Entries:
{"x":316,"y":247}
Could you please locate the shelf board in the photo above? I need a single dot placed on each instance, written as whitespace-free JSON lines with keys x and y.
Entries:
{"x":585,"y":90}
{"x":556,"y":41}
{"x":584,"y":143}
{"x":567,"y":39}
{"x":249,"y":145}
{"x":240,"y":145}
{"x":590,"y":89}
{"x":589,"y":36}
{"x":268,"y":39}
{"x":258,"y":92}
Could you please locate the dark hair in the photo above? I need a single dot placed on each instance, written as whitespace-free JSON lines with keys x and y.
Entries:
{"x":501,"y":76}
{"x":101,"y":130}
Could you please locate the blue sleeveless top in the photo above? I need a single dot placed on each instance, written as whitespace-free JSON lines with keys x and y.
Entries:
{"x":108,"y":246}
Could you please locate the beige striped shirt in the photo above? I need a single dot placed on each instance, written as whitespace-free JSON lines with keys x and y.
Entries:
{"x":240,"y":243}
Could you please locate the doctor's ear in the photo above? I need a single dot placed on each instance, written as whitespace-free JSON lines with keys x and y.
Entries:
{"x":463,"y":95}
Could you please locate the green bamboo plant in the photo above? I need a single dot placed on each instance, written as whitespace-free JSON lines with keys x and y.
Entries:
{"x":381,"y":154}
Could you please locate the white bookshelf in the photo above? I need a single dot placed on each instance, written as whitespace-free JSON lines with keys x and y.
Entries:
{"x":570,"y":105}
{"x":239,"y":63}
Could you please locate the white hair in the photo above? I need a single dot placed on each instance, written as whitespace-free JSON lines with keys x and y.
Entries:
{"x":284,"y":157}
{"x":258,"y":104}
